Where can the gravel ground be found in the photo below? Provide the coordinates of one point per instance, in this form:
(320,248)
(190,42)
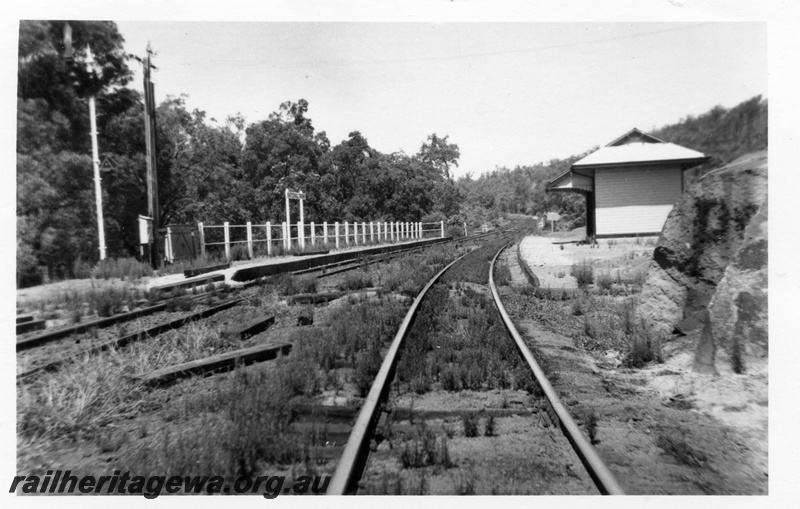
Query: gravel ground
(721,421)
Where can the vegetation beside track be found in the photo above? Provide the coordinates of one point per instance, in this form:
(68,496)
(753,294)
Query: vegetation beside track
(97,401)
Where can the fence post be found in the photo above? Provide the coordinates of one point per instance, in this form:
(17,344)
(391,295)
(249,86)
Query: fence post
(284,234)
(250,240)
(355,232)
(465,229)
(419,225)
(346,233)
(202,236)
(226,227)
(313,234)
(391,231)
(363,232)
(371,232)
(325,233)
(301,233)
(269,239)
(168,245)
(336,232)
(442,229)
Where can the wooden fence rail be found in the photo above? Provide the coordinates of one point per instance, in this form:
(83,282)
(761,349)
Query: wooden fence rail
(280,238)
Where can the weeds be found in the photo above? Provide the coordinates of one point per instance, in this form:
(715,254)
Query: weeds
(426,449)
(470,423)
(459,343)
(583,273)
(489,430)
(122,268)
(591,426)
(355,280)
(287,284)
(502,274)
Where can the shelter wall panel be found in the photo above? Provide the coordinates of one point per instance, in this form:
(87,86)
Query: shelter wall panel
(635,199)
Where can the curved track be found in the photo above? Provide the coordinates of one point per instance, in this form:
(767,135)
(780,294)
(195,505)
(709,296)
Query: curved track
(354,458)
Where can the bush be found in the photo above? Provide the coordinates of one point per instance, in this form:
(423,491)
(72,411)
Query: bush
(426,449)
(583,273)
(28,272)
(307,284)
(123,268)
(470,422)
(644,348)
(355,280)
(287,284)
(604,281)
(239,252)
(454,231)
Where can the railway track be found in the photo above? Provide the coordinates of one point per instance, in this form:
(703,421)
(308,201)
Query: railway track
(362,439)
(355,432)
(51,349)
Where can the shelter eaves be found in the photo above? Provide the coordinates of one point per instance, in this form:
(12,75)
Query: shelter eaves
(630,184)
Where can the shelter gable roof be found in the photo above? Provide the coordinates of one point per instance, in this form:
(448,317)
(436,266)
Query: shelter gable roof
(636,147)
(634,136)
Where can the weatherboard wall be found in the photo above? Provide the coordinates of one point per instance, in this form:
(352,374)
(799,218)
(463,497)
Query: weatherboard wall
(635,199)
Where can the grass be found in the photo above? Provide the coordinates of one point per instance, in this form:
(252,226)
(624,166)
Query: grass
(179,266)
(459,342)
(408,274)
(489,428)
(502,274)
(470,424)
(248,417)
(287,284)
(355,280)
(583,273)
(426,448)
(122,268)
(102,301)
(595,322)
(474,267)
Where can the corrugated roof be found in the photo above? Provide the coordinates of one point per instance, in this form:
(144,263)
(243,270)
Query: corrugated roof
(632,153)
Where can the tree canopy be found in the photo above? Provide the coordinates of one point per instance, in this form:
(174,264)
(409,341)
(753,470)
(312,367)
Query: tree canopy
(233,171)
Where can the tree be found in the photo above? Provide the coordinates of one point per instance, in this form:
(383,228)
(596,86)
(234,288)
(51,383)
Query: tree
(282,152)
(55,194)
(440,154)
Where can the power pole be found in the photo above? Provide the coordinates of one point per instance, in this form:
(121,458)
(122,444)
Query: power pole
(152,171)
(98,192)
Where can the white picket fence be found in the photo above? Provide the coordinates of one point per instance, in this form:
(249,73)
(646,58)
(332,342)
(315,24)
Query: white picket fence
(330,235)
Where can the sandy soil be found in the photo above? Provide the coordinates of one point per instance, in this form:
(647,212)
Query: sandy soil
(550,259)
(722,419)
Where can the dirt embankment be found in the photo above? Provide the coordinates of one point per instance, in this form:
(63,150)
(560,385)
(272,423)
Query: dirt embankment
(710,275)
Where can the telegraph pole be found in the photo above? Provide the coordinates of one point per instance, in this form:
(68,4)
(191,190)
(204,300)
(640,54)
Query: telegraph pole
(152,171)
(98,192)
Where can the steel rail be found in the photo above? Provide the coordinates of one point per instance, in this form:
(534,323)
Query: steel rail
(597,469)
(352,461)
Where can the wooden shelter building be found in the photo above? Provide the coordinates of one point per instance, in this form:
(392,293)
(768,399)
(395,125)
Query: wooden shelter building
(630,184)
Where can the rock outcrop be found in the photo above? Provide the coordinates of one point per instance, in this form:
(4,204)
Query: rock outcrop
(711,265)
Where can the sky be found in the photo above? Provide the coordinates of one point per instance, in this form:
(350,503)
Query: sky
(506,93)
